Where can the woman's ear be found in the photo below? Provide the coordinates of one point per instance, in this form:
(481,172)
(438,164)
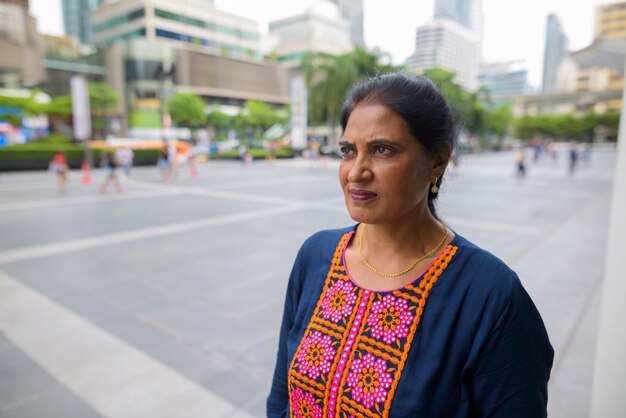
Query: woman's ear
(441,159)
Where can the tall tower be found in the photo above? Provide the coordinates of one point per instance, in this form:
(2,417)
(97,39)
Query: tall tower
(352,11)
(555,52)
(77,18)
(465,12)
(443,43)
(452,41)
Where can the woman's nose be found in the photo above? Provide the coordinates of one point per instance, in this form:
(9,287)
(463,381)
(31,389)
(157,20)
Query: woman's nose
(360,171)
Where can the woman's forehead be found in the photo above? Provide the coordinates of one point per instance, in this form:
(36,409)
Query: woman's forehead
(373,120)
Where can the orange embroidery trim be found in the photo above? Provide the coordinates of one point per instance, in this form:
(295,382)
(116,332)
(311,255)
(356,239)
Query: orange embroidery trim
(431,279)
(381,345)
(362,343)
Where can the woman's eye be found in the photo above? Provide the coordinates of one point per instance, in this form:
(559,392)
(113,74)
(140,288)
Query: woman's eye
(345,151)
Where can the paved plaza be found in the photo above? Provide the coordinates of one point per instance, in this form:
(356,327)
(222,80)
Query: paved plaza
(165,301)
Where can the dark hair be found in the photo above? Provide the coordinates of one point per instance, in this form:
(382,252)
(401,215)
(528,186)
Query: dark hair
(417,100)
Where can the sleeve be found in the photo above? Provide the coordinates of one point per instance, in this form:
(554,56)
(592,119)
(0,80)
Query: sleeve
(513,367)
(278,399)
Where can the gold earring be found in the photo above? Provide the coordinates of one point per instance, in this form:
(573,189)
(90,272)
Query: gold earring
(434,189)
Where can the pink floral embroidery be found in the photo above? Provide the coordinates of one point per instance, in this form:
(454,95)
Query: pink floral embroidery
(389,319)
(315,355)
(369,380)
(303,405)
(339,301)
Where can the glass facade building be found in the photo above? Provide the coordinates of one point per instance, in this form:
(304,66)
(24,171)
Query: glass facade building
(556,50)
(77,18)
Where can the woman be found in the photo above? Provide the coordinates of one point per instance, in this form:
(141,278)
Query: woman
(398,316)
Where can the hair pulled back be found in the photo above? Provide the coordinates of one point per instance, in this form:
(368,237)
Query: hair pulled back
(418,101)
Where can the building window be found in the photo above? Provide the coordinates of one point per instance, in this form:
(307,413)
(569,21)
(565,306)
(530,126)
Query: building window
(233,49)
(215,27)
(137,33)
(119,20)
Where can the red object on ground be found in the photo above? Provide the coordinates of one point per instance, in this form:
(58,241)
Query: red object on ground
(86,172)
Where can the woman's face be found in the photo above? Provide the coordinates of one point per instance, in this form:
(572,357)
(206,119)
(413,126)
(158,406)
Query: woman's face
(385,172)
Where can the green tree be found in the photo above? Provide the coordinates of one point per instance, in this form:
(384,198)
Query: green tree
(499,119)
(329,77)
(256,116)
(102,99)
(59,106)
(186,110)
(566,126)
(220,122)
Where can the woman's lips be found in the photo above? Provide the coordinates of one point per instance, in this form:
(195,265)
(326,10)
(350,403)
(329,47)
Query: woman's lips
(361,195)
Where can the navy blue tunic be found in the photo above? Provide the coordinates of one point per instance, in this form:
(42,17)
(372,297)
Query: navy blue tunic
(467,340)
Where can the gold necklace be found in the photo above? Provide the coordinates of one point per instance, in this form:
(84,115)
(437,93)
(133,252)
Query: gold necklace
(375,270)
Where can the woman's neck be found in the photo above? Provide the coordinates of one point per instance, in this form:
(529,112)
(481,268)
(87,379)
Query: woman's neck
(409,237)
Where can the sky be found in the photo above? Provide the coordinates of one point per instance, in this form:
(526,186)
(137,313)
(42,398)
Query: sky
(513,30)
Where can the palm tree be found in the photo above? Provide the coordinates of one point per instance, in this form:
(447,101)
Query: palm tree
(329,78)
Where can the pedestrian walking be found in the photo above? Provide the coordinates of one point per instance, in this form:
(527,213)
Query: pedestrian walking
(125,156)
(111,166)
(573,157)
(163,162)
(59,166)
(398,315)
(520,160)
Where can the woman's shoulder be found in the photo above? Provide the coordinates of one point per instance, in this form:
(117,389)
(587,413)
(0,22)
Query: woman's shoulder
(325,239)
(481,277)
(481,269)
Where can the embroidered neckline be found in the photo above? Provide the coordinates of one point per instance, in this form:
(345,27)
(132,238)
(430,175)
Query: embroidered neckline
(351,356)
(412,283)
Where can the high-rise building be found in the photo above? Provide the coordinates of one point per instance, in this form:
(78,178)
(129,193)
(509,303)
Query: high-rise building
(611,21)
(21,49)
(443,43)
(504,80)
(352,11)
(452,41)
(77,18)
(192,23)
(467,13)
(319,29)
(556,50)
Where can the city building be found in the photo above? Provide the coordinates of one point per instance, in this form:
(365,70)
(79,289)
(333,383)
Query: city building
(153,49)
(444,43)
(193,23)
(146,73)
(77,18)
(556,50)
(504,80)
(20,46)
(592,80)
(611,21)
(352,11)
(65,57)
(467,13)
(319,29)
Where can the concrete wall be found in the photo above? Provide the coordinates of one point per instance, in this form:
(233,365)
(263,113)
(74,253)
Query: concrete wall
(609,387)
